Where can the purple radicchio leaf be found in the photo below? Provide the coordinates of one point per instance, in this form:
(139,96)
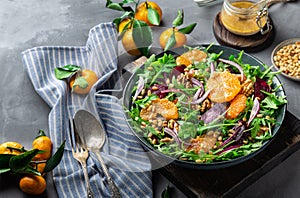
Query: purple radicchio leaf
(213,113)
(261,85)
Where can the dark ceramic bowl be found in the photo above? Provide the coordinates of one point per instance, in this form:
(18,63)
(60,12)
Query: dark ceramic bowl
(227,51)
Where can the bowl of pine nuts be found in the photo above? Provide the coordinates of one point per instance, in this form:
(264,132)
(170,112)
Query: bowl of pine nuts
(286,58)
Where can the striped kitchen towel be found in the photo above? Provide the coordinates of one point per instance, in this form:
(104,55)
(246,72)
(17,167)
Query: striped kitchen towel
(127,162)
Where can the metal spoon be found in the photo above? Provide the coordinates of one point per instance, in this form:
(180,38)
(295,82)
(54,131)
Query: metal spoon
(89,127)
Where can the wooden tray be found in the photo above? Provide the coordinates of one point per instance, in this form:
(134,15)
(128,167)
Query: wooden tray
(229,182)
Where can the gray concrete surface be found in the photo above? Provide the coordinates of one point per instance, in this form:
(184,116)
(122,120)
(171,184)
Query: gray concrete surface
(29,23)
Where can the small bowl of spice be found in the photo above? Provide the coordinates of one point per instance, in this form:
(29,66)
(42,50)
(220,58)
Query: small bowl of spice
(286,58)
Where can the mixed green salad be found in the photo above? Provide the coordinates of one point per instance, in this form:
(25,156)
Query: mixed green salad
(202,108)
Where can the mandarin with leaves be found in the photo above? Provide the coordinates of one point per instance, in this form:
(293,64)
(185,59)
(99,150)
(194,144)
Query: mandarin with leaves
(83,81)
(149,12)
(179,38)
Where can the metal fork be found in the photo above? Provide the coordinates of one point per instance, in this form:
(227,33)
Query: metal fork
(80,153)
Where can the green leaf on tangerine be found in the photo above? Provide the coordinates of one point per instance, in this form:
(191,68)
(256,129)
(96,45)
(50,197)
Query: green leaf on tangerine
(54,160)
(29,169)
(114,6)
(20,162)
(80,82)
(4,170)
(188,29)
(4,160)
(153,16)
(65,71)
(179,19)
(142,36)
(171,42)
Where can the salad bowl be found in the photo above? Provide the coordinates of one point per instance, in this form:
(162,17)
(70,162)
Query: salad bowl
(235,140)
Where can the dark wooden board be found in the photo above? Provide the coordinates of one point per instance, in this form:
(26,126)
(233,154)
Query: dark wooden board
(252,43)
(230,181)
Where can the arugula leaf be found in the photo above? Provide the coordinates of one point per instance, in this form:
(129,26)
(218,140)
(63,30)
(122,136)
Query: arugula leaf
(272,101)
(145,101)
(187,130)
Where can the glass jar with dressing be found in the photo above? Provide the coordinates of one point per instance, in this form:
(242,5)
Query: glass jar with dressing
(245,17)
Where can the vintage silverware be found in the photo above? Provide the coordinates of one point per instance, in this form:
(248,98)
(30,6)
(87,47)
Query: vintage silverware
(80,153)
(87,124)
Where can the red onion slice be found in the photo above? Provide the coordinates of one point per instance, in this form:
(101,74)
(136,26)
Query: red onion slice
(235,65)
(254,111)
(174,135)
(140,87)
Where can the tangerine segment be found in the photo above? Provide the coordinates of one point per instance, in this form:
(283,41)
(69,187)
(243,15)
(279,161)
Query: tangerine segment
(237,105)
(224,86)
(163,107)
(191,56)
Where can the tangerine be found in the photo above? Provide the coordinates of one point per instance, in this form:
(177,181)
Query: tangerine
(11,148)
(40,167)
(33,184)
(123,24)
(180,38)
(191,56)
(42,142)
(223,86)
(237,105)
(129,44)
(82,82)
(141,12)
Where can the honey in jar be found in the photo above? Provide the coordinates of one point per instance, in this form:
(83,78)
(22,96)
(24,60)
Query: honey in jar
(244,17)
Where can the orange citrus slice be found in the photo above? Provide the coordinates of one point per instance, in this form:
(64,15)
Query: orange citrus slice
(224,86)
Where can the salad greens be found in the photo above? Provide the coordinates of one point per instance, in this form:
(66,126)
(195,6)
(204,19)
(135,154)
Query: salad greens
(172,107)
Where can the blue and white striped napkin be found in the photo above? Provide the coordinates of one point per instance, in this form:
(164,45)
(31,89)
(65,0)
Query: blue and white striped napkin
(127,162)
